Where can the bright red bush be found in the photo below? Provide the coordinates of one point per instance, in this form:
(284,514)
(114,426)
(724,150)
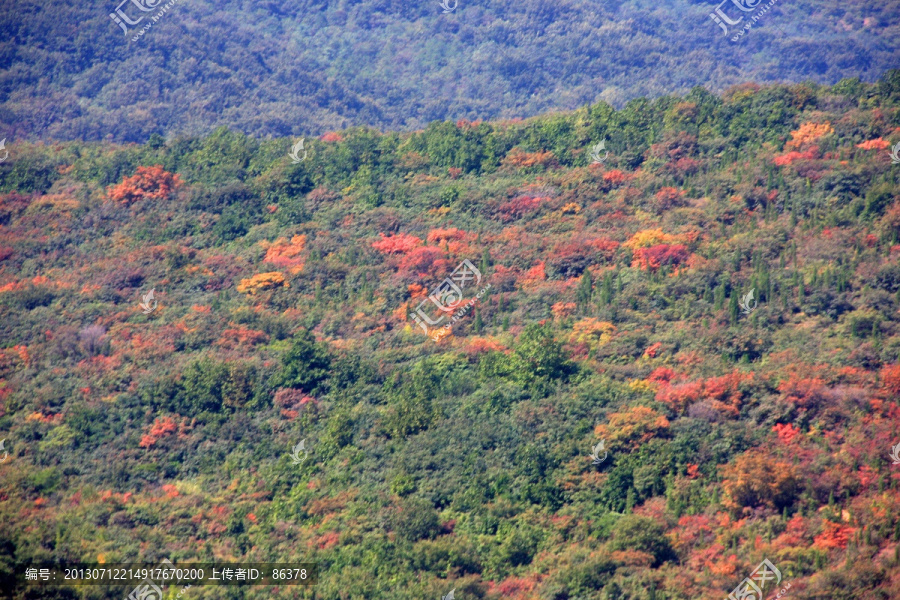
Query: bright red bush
(654,257)
(615,178)
(421,259)
(679,396)
(890,376)
(661,375)
(790,158)
(834,535)
(162,427)
(786,432)
(400,243)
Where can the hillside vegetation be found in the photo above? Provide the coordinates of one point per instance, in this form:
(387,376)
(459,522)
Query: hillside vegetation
(282,312)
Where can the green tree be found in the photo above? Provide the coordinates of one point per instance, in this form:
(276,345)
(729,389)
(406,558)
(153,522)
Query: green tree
(585,290)
(633,532)
(410,407)
(202,387)
(415,519)
(305,366)
(539,359)
(734,308)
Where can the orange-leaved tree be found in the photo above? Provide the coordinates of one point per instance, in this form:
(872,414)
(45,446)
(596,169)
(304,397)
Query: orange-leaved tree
(262,281)
(148,183)
(286,255)
(807,134)
(758,478)
(634,426)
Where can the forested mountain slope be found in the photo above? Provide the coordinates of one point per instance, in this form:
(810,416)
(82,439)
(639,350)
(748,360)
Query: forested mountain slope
(68,71)
(736,427)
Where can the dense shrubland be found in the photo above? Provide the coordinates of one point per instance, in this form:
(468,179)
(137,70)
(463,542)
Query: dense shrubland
(614,314)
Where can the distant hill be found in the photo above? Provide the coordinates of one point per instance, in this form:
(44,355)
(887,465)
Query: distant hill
(306,67)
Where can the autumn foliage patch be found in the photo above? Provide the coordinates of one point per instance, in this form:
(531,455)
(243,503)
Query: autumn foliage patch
(518,208)
(400,243)
(661,255)
(262,281)
(149,183)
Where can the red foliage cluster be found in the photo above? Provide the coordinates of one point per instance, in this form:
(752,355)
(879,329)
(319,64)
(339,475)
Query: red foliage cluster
(512,587)
(890,377)
(606,248)
(653,350)
(669,197)
(332,136)
(535,273)
(518,208)
(834,535)
(438,236)
(465,124)
(786,432)
(615,178)
(328,540)
(790,158)
(876,144)
(162,427)
(480,345)
(794,535)
(149,182)
(400,243)
(422,259)
(562,310)
(661,375)
(723,393)
(679,396)
(654,257)
(803,391)
(682,166)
